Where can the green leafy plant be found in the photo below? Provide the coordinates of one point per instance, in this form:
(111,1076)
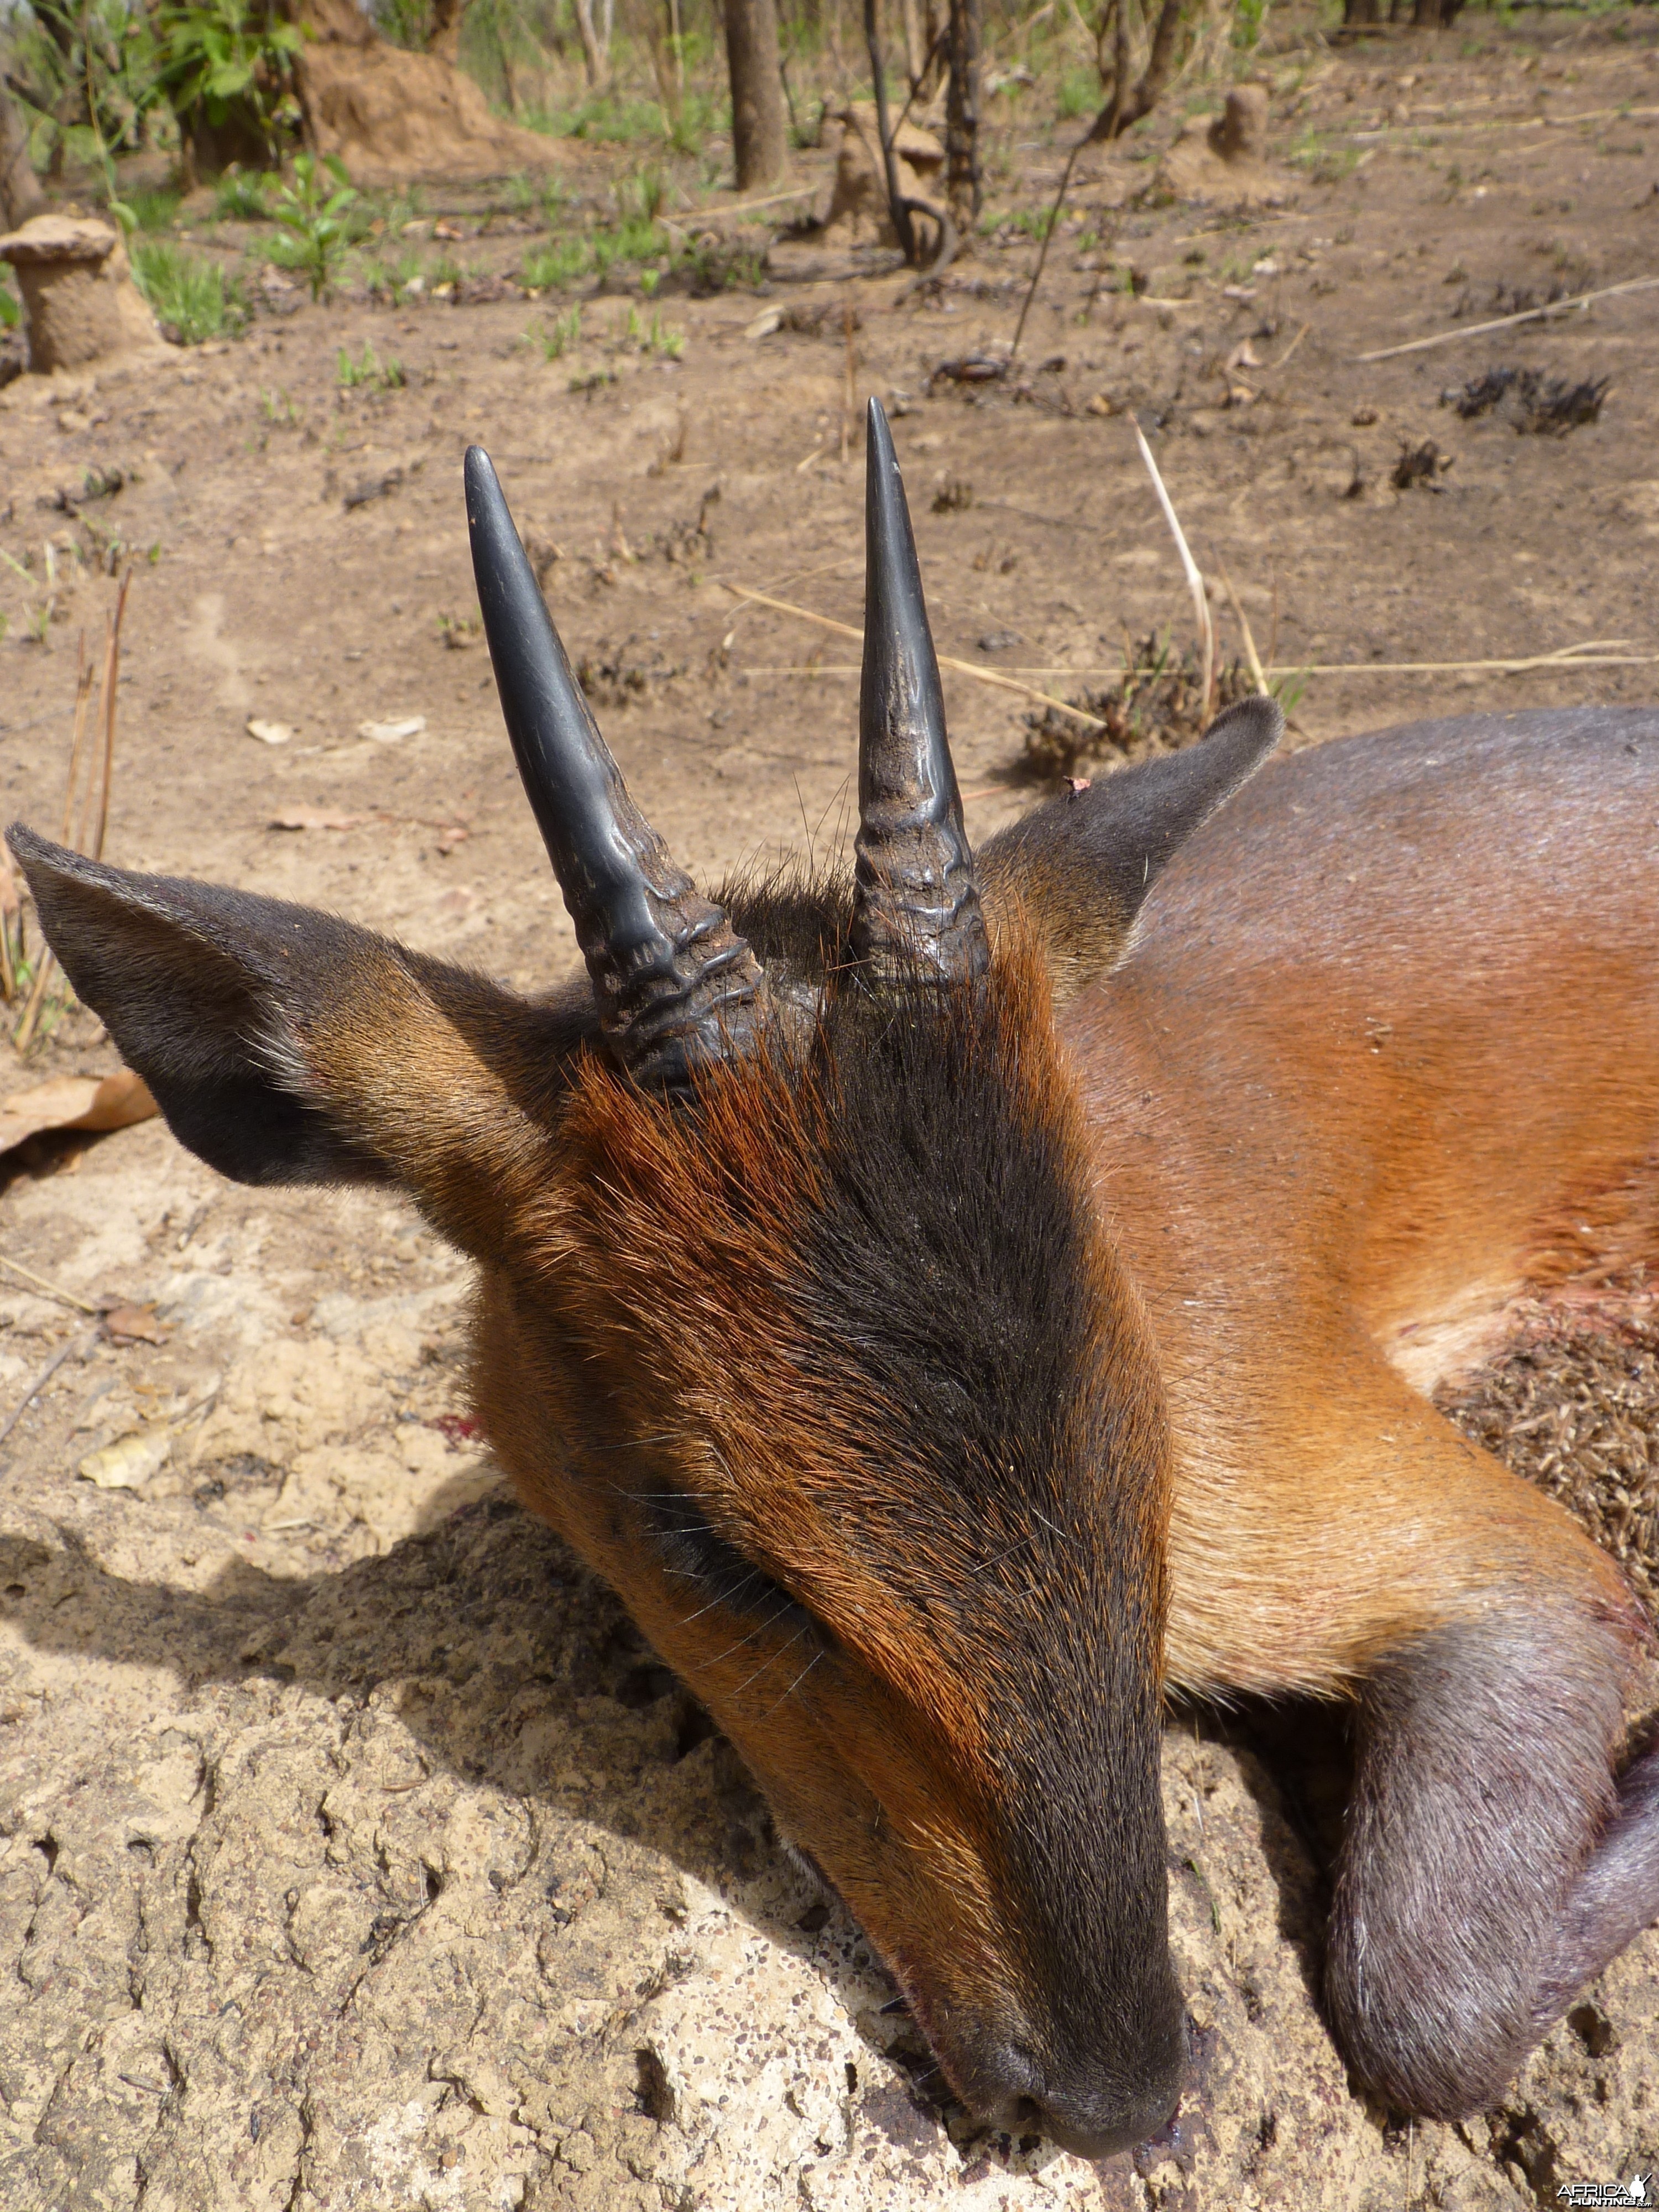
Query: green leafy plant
(370,373)
(191,297)
(11,309)
(242,196)
(404,22)
(228,63)
(85,78)
(313,217)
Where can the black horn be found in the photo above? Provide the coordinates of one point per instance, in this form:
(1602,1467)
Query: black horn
(676,986)
(915,910)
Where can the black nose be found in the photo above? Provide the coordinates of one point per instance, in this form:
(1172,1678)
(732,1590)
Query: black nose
(1077,2108)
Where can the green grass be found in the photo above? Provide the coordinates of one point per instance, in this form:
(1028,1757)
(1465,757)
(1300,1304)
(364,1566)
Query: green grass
(544,267)
(1079,93)
(636,238)
(560,337)
(240,197)
(191,298)
(370,373)
(395,276)
(153,209)
(655,337)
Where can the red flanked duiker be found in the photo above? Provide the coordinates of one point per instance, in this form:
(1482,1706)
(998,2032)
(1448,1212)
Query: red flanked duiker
(959,1303)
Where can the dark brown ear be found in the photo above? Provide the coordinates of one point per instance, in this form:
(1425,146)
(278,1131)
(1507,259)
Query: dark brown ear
(287,1046)
(1083,864)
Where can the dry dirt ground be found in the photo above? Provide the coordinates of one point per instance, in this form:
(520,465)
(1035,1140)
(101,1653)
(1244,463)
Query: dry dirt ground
(353,1852)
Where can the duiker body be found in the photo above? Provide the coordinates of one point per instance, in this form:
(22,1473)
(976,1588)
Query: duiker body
(956,1305)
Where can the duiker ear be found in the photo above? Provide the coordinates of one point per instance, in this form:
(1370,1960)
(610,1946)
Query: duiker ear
(287,1046)
(1082,865)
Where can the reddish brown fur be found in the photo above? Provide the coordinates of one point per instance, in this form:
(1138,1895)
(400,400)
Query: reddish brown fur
(1380,1052)
(652,1276)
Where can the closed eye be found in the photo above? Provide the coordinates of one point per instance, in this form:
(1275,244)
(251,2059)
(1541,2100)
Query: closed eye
(717,1574)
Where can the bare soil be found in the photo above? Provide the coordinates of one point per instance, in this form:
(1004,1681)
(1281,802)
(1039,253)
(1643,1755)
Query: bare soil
(352,1850)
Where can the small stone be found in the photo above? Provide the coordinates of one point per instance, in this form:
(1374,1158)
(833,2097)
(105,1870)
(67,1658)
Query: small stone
(389,733)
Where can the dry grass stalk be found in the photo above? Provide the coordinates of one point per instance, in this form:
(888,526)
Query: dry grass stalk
(1570,656)
(1189,568)
(849,323)
(49,1290)
(1508,322)
(11,906)
(95,825)
(1250,654)
(994,677)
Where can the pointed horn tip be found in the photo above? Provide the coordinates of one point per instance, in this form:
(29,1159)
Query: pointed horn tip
(482,484)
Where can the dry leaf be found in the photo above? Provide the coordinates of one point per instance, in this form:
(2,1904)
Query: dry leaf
(75,1101)
(135,1325)
(768,321)
(269,733)
(129,1462)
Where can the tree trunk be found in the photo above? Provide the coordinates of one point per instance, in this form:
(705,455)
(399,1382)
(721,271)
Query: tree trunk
(915,50)
(962,167)
(759,141)
(1160,62)
(444,38)
(597,70)
(1434,15)
(21,196)
(1361,11)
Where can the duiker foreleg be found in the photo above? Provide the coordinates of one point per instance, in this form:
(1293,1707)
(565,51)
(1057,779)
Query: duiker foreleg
(1492,1865)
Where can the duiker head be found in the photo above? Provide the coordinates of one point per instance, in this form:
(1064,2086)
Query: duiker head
(798,1316)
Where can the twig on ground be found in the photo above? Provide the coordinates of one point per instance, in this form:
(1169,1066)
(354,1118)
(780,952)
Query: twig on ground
(1508,322)
(77,1348)
(994,677)
(739,208)
(1189,566)
(1569,657)
(52,1289)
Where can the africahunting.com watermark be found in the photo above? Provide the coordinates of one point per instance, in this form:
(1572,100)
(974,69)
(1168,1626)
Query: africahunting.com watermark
(1640,2188)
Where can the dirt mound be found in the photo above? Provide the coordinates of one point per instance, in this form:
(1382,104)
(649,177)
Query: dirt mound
(1222,158)
(393,116)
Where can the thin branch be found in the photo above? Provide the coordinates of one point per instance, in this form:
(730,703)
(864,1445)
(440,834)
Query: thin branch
(899,206)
